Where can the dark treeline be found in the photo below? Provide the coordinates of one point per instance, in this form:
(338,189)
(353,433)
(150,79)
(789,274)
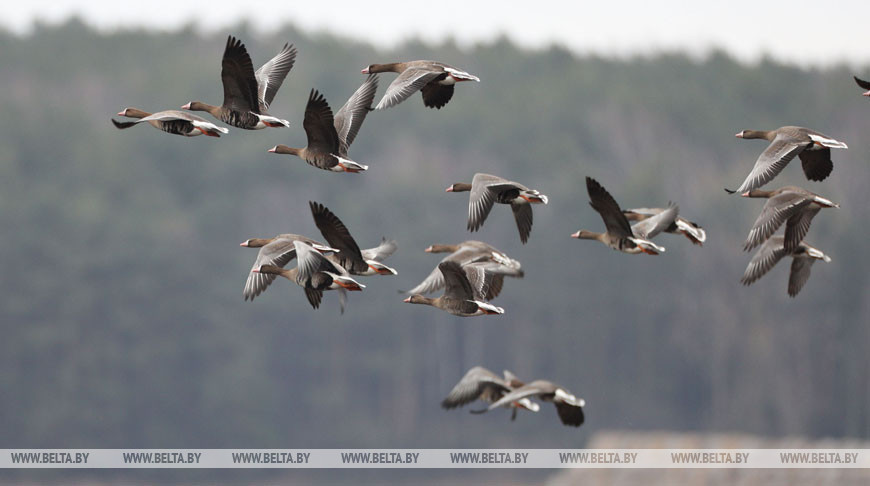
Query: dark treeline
(123,323)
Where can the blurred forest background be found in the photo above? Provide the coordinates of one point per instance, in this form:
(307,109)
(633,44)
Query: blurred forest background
(123,323)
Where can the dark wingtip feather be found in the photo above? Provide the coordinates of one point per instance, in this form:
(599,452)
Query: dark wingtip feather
(729,191)
(122,125)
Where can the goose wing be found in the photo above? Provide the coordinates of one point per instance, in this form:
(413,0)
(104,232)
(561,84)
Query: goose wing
(764,259)
(798,225)
(529,390)
(318,125)
(775,157)
(456,281)
(485,189)
(776,211)
(271,75)
(799,274)
(472,385)
(601,201)
(523,215)
(655,224)
(237,75)
(380,252)
(279,253)
(338,236)
(311,262)
(409,82)
(817,164)
(351,115)
(570,414)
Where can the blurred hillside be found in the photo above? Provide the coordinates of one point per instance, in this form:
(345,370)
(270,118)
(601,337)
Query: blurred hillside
(121,303)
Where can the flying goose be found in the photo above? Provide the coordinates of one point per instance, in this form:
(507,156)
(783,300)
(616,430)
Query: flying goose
(471,252)
(791,205)
(329,138)
(772,252)
(434,79)
(487,190)
(481,384)
(863,84)
(619,234)
(350,257)
(315,273)
(569,407)
(278,252)
(691,230)
(466,290)
(247,95)
(813,148)
(171,121)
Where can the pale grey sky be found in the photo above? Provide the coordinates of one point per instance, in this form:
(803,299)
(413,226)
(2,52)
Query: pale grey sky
(799,31)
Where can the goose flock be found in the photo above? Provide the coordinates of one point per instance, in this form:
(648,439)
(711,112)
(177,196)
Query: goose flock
(473,272)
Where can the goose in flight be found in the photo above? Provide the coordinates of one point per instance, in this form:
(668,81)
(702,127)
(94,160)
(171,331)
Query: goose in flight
(620,235)
(434,79)
(315,273)
(171,121)
(465,292)
(481,384)
(330,137)
(812,147)
(794,206)
(772,251)
(248,94)
(487,190)
(569,407)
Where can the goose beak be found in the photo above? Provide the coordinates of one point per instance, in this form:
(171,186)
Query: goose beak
(365,70)
(244,243)
(256,270)
(122,113)
(408,300)
(866,94)
(186,107)
(428,249)
(739,135)
(449,189)
(745,194)
(575,235)
(273,149)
